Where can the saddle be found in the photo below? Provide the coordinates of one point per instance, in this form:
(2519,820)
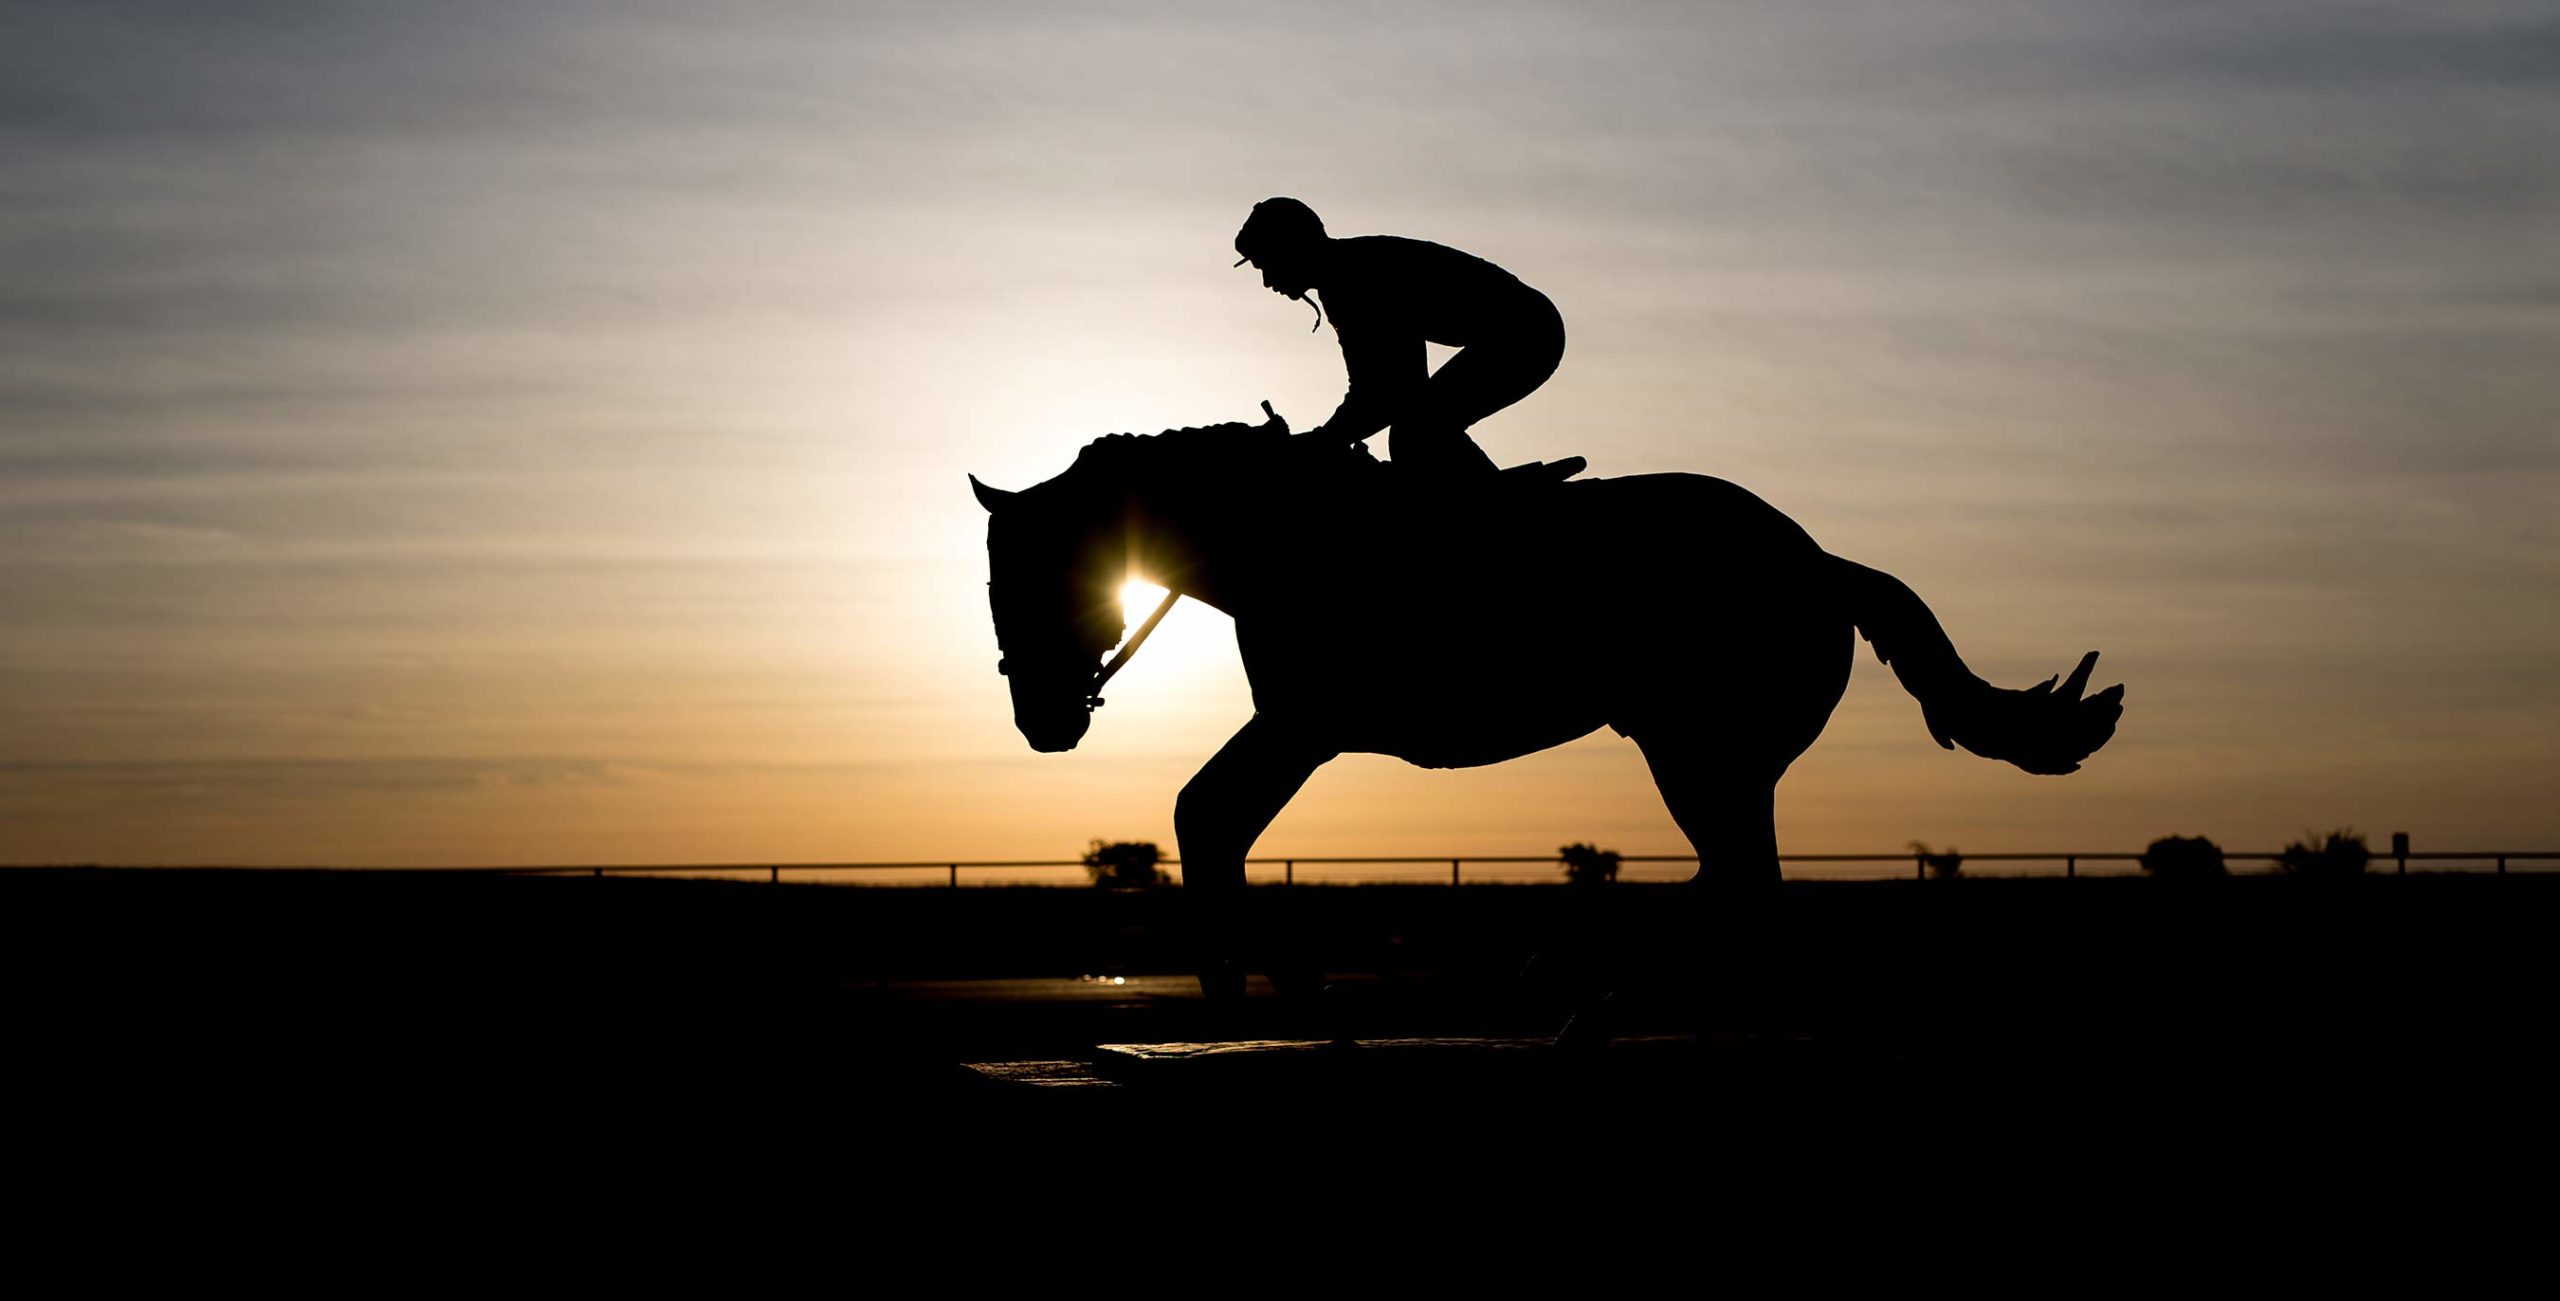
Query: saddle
(1360,465)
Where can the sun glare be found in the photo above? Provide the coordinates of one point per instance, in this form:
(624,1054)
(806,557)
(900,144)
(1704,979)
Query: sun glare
(1190,638)
(1138,600)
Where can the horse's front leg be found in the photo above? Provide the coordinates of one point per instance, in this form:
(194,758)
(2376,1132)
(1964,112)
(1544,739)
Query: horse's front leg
(1221,812)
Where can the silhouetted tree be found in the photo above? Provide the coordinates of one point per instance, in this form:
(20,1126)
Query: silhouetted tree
(2340,853)
(1946,866)
(2183,858)
(1124,864)
(1589,864)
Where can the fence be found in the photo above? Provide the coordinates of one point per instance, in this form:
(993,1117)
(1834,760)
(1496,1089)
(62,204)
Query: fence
(1410,868)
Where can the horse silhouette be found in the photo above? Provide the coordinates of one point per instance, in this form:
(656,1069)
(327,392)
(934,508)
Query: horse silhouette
(1458,627)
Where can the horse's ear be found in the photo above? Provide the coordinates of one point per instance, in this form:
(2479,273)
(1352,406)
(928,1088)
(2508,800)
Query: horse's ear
(994,499)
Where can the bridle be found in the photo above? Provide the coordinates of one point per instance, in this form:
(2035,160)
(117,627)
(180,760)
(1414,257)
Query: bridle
(1093,693)
(1101,676)
(1093,690)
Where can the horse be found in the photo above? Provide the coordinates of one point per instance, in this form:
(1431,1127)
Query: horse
(1459,625)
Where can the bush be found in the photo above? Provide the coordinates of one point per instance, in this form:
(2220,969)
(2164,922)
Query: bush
(1125,864)
(1589,864)
(2183,858)
(1946,866)
(2341,853)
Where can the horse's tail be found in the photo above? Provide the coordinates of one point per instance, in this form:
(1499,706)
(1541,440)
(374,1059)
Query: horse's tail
(2040,729)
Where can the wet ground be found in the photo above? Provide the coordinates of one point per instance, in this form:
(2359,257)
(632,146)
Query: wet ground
(714,1021)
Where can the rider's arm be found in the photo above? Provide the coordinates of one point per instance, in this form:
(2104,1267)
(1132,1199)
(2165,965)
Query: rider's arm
(1387,366)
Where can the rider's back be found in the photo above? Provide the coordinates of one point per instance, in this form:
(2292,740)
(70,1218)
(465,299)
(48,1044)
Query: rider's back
(1413,285)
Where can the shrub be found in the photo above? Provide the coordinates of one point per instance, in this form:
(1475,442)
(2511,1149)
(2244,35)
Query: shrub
(1589,864)
(1946,866)
(1124,864)
(2340,853)
(2183,858)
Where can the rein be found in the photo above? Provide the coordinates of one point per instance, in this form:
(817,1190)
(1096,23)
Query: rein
(1093,694)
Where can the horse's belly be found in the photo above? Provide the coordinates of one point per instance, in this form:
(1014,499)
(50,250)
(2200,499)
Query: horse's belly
(1472,733)
(1440,707)
(1483,732)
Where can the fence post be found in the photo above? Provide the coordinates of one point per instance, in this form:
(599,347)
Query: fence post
(1919,866)
(955,876)
(1453,871)
(777,874)
(2502,865)
(599,873)
(1288,871)
(2400,851)
(2070,866)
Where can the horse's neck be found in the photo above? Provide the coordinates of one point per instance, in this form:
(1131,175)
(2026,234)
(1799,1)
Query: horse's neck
(1197,544)
(1251,530)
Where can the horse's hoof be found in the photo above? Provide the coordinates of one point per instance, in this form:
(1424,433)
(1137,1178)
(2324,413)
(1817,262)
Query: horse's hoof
(1222,986)
(1581,1037)
(1299,986)
(1338,1010)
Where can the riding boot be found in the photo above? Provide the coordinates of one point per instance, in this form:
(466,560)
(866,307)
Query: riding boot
(1439,458)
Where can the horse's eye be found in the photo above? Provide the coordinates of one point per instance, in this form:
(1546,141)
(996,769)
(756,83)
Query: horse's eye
(1001,671)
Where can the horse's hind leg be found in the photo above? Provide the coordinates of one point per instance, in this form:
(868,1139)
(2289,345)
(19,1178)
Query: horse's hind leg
(1723,795)
(1223,809)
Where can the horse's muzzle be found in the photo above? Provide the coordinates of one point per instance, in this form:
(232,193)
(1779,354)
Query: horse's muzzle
(1052,730)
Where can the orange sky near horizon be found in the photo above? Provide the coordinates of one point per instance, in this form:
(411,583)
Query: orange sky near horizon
(478,436)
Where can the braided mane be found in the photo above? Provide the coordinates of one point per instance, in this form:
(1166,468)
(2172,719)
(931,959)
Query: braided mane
(1191,445)
(1204,455)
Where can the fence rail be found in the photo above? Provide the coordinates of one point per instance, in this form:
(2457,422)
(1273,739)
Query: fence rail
(2496,861)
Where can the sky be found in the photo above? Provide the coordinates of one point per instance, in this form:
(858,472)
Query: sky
(497,433)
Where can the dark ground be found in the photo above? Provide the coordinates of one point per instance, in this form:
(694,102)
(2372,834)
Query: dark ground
(2372,1021)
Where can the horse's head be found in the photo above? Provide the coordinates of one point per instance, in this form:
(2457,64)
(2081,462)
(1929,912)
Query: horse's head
(1055,569)
(1060,551)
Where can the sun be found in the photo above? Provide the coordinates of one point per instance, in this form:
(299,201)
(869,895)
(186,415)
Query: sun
(1138,600)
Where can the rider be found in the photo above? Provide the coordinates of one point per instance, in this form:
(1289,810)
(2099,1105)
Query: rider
(1388,296)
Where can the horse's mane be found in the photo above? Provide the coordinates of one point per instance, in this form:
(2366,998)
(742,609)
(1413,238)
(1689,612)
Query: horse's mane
(1199,443)
(1201,454)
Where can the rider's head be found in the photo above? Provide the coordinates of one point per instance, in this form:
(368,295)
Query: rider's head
(1285,238)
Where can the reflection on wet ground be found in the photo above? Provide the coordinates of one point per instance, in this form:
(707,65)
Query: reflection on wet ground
(1047,989)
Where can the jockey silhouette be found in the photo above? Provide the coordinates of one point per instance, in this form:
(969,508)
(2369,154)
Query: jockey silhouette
(1387,297)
